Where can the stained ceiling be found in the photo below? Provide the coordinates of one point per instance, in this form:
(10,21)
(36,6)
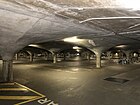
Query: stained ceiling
(106,22)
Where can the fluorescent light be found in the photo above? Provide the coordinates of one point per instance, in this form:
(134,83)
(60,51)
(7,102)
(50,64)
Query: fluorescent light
(116,54)
(121,46)
(77,48)
(72,39)
(33,45)
(78,54)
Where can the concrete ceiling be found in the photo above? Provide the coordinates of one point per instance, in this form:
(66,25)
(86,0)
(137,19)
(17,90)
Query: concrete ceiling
(106,22)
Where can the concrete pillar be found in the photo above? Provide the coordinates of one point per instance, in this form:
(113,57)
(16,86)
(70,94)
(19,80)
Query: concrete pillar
(7,53)
(109,55)
(54,52)
(88,56)
(46,56)
(128,58)
(64,56)
(121,54)
(98,52)
(127,55)
(54,57)
(16,56)
(7,71)
(34,55)
(98,60)
(31,57)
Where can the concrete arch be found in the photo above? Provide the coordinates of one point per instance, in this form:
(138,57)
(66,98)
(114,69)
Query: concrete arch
(39,47)
(33,49)
(83,49)
(25,53)
(98,50)
(33,52)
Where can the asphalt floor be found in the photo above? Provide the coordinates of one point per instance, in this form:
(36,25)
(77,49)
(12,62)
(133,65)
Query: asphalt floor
(72,83)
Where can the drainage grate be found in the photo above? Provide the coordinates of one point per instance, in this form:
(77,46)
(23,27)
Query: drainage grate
(118,80)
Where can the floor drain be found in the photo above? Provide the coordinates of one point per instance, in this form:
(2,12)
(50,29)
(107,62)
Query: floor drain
(119,80)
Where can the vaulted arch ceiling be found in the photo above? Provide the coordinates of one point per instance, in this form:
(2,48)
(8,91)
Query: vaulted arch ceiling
(106,22)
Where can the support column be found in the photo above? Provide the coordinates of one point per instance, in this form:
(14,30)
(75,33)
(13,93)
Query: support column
(109,55)
(98,52)
(98,60)
(54,57)
(46,56)
(54,52)
(88,56)
(7,71)
(127,53)
(31,58)
(16,56)
(64,56)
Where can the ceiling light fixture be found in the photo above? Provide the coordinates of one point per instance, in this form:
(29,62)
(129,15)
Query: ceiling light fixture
(121,46)
(76,47)
(33,45)
(72,39)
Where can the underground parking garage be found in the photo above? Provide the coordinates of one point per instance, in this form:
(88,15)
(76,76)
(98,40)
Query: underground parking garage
(61,52)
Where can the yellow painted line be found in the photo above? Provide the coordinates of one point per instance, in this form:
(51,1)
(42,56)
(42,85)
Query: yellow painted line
(7,83)
(31,90)
(22,88)
(28,101)
(36,98)
(13,89)
(17,97)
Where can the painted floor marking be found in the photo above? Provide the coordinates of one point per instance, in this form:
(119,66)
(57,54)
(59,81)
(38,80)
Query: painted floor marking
(20,88)
(40,95)
(13,89)
(7,84)
(17,97)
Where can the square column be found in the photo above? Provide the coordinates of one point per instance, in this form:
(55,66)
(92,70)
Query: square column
(7,71)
